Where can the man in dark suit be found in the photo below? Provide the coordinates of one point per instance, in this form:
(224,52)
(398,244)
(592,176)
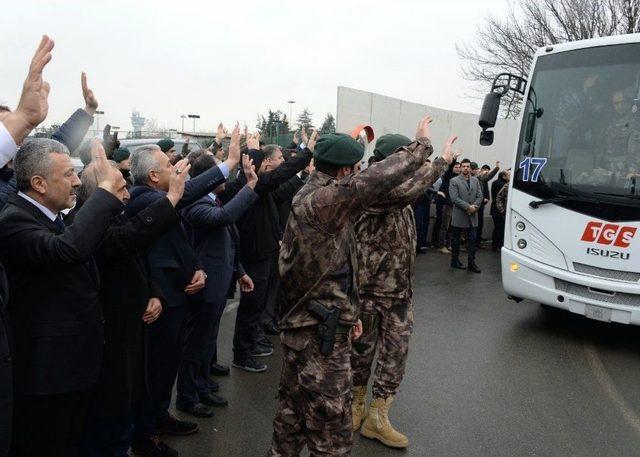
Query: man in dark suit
(216,241)
(55,309)
(260,237)
(128,298)
(176,269)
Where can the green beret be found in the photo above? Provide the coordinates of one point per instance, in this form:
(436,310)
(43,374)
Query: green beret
(474,166)
(388,144)
(338,149)
(166,144)
(120,154)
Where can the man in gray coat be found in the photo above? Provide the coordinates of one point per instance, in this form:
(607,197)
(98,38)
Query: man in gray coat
(466,195)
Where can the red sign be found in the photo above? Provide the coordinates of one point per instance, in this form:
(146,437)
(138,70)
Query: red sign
(609,234)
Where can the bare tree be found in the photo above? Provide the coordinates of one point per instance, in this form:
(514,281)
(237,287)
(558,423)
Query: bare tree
(507,44)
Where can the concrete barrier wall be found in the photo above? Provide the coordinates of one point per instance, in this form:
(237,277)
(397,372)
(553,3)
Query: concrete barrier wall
(392,115)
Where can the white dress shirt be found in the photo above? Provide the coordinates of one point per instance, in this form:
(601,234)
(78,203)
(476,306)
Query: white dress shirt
(8,146)
(46,211)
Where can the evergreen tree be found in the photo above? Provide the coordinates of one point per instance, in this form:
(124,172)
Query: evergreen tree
(329,124)
(305,120)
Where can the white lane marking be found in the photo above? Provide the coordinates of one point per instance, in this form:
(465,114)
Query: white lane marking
(610,389)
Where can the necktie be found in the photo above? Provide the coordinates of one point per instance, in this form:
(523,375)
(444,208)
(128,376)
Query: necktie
(60,223)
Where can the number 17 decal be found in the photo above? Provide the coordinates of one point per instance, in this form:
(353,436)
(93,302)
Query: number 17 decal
(532,167)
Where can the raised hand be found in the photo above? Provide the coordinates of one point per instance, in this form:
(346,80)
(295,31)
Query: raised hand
(233,159)
(497,164)
(447,150)
(34,101)
(90,101)
(253,141)
(312,141)
(249,171)
(296,139)
(457,154)
(423,128)
(106,175)
(111,142)
(220,133)
(178,177)
(305,138)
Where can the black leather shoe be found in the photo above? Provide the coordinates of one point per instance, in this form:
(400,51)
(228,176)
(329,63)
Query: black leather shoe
(152,447)
(212,399)
(219,370)
(474,268)
(213,386)
(197,410)
(261,351)
(271,329)
(172,426)
(455,263)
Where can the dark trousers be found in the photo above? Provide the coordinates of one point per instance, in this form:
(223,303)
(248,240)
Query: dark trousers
(272,305)
(435,234)
(194,368)
(251,307)
(49,425)
(164,342)
(480,224)
(422,215)
(498,231)
(456,233)
(108,437)
(212,344)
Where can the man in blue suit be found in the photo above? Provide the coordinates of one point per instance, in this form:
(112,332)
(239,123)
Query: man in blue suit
(215,239)
(176,269)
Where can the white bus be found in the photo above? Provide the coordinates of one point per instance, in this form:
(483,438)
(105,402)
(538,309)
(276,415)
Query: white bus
(572,237)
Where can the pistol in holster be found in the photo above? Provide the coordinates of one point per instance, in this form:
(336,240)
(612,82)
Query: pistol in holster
(328,326)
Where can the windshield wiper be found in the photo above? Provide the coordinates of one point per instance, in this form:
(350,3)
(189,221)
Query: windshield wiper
(535,204)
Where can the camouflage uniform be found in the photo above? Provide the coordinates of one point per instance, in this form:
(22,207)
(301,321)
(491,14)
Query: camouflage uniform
(501,199)
(386,237)
(317,262)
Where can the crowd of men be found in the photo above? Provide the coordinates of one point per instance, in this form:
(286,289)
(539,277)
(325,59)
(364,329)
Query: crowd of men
(114,282)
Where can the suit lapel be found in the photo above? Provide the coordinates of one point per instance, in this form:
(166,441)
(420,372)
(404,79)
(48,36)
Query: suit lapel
(35,212)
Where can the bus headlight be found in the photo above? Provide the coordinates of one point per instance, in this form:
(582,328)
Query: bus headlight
(520,226)
(522,243)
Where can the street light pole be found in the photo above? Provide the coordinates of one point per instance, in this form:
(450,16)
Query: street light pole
(194,117)
(291,102)
(98,113)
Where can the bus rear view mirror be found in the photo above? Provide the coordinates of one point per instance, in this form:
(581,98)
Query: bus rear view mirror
(486,137)
(490,109)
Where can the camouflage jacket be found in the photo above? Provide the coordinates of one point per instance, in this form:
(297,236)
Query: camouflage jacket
(501,199)
(386,237)
(318,253)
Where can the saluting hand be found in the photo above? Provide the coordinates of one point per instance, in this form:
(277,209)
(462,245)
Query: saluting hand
(178,177)
(91,103)
(233,159)
(423,128)
(249,171)
(447,153)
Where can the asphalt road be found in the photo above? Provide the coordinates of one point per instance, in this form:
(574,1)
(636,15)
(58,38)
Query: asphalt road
(486,377)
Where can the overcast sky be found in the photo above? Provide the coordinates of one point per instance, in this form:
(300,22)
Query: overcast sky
(233,59)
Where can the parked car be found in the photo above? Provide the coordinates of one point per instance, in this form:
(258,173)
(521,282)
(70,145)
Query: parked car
(135,143)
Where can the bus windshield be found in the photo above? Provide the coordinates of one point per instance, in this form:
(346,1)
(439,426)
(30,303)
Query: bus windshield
(580,133)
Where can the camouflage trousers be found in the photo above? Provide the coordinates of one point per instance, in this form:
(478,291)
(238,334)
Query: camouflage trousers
(387,326)
(314,407)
